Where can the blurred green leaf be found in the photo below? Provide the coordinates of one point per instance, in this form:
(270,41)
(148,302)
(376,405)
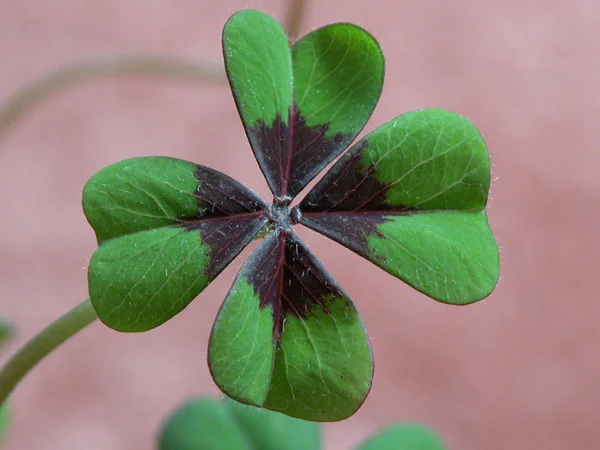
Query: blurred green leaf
(6,331)
(403,437)
(206,424)
(202,424)
(268,430)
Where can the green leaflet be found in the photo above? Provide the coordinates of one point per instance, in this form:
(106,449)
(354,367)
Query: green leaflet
(240,351)
(205,424)
(139,281)
(403,437)
(450,256)
(323,367)
(258,63)
(321,371)
(338,78)
(429,159)
(140,194)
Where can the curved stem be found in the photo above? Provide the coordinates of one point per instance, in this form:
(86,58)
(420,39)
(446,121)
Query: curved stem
(42,344)
(294,16)
(26,98)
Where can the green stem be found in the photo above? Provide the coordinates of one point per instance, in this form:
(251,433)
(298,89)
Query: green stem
(294,16)
(29,96)
(42,344)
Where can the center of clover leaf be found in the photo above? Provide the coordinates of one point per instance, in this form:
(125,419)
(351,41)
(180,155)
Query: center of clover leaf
(281,216)
(410,197)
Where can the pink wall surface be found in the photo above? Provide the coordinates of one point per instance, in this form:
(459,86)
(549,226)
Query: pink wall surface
(519,370)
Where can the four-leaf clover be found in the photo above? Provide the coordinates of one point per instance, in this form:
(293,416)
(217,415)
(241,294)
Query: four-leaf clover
(410,197)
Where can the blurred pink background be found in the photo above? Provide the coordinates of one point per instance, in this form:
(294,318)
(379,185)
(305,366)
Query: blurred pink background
(519,370)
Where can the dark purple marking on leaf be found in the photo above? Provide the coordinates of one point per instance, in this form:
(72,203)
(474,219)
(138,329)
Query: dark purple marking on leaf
(218,195)
(229,217)
(349,186)
(349,229)
(289,279)
(312,152)
(226,237)
(292,156)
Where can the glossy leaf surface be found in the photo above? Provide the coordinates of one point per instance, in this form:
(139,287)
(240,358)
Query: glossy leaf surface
(302,107)
(403,437)
(410,197)
(289,339)
(227,425)
(167,228)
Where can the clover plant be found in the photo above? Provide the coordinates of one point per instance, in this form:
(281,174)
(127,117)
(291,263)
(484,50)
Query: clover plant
(410,197)
(206,424)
